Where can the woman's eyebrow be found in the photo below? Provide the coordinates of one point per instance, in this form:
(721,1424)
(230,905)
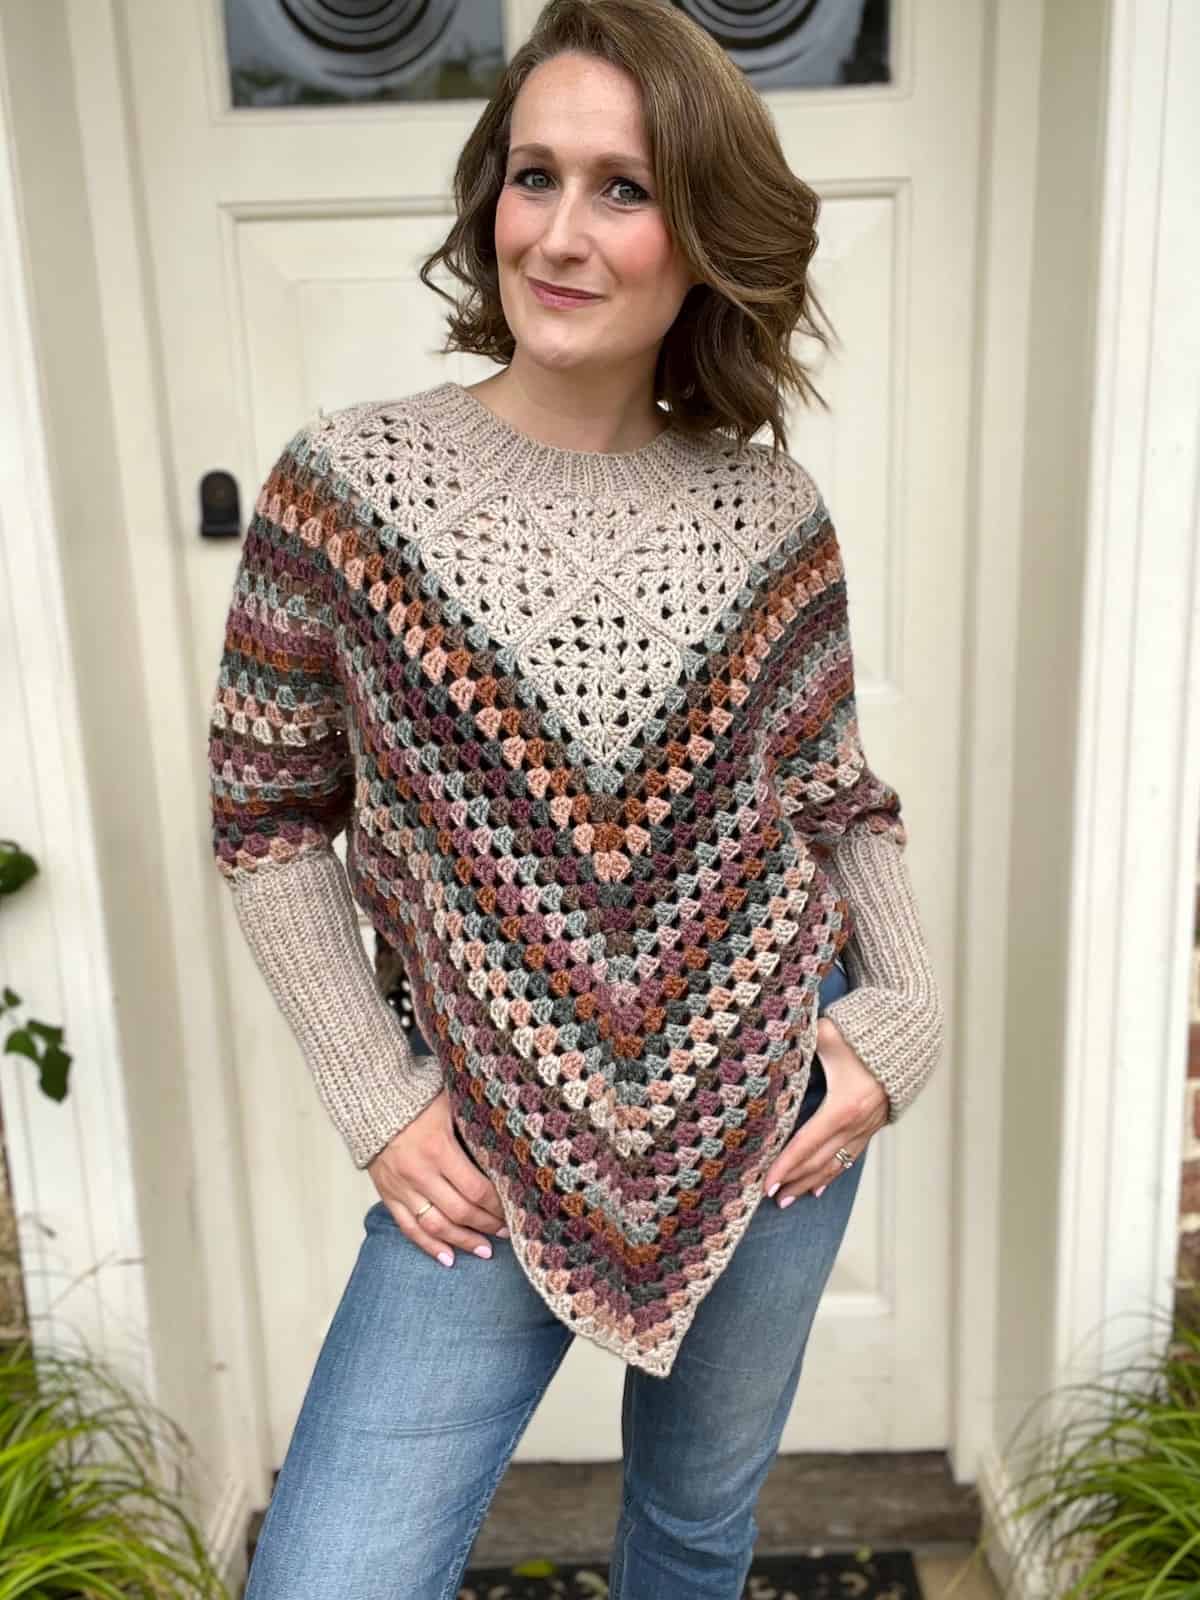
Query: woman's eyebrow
(606,158)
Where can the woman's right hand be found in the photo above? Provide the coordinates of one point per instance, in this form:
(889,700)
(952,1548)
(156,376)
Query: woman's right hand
(425,1161)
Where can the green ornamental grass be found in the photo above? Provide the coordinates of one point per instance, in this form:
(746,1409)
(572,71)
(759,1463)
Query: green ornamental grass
(1107,1501)
(90,1488)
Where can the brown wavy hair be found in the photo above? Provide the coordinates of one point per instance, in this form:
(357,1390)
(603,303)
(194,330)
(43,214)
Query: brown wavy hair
(743,221)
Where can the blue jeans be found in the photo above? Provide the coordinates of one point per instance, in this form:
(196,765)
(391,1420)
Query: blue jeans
(428,1377)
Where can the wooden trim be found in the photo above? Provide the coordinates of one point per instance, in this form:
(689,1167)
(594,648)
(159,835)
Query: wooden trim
(70,1165)
(1008,178)
(1138,773)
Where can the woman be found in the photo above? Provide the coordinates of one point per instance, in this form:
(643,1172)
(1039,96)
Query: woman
(574,672)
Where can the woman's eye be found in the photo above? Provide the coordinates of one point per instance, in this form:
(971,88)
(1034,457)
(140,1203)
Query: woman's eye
(628,183)
(638,196)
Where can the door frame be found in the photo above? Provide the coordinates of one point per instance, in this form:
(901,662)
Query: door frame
(1121,1099)
(1138,665)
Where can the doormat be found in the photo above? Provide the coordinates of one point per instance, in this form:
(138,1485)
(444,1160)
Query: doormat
(836,1575)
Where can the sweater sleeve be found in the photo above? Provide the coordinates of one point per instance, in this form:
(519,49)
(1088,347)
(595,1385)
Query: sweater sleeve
(281,788)
(850,817)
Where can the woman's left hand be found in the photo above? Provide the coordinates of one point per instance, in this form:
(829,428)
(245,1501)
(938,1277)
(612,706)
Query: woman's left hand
(854,1108)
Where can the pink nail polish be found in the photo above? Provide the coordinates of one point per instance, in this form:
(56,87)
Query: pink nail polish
(773,1188)
(484,1250)
(785,1203)
(821,1190)
(502,1233)
(445,1258)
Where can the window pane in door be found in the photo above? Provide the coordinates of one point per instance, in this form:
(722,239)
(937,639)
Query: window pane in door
(800,44)
(320,52)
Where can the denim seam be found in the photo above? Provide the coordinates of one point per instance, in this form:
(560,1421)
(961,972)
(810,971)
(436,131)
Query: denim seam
(464,1549)
(626,1499)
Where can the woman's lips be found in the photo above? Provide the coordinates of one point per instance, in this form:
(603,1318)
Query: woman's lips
(557,297)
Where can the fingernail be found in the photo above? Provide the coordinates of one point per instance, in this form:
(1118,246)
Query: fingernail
(821,1190)
(784,1204)
(773,1188)
(502,1233)
(445,1258)
(484,1250)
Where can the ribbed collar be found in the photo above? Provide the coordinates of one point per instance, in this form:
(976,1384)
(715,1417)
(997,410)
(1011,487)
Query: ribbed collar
(511,456)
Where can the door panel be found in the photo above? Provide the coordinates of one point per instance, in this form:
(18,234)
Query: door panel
(285,245)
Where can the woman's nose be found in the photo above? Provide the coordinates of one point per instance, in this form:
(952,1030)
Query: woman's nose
(564,230)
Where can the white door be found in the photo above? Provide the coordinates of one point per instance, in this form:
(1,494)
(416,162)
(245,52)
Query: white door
(285,243)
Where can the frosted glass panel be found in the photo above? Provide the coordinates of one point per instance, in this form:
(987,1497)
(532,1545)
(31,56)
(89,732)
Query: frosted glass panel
(794,44)
(317,52)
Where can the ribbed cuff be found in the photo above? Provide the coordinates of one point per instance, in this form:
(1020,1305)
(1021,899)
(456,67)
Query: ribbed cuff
(301,924)
(893,1016)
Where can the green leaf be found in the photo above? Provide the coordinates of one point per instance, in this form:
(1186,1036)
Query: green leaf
(55,1066)
(45,1030)
(20,1043)
(17,866)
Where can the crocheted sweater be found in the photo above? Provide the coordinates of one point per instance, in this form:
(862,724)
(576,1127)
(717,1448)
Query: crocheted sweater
(588,721)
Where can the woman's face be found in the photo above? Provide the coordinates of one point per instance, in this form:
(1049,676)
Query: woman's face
(580,210)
